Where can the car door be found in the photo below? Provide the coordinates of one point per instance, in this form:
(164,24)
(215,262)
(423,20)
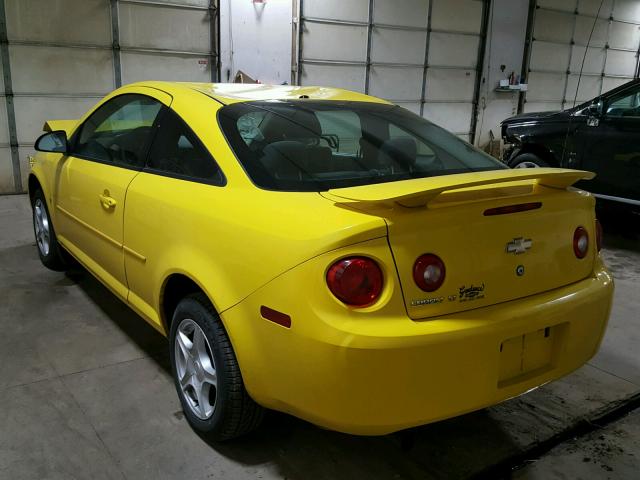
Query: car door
(169,206)
(610,147)
(106,153)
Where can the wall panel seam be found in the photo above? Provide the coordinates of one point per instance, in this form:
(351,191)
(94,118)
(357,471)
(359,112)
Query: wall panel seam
(8,93)
(425,66)
(606,48)
(214,12)
(484,28)
(367,73)
(526,54)
(115,43)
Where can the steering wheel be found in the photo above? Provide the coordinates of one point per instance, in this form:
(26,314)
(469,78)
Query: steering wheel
(124,156)
(98,150)
(117,150)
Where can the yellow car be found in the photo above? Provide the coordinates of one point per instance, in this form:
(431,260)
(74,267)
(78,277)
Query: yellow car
(322,253)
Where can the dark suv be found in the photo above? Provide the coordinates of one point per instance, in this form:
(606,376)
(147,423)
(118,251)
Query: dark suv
(602,136)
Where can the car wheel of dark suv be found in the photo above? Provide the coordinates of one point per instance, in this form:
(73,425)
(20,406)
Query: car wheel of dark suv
(528,160)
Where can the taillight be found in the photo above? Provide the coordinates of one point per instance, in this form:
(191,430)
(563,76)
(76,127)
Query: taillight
(599,234)
(356,281)
(429,272)
(580,242)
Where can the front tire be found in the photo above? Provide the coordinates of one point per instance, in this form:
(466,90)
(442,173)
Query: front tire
(528,160)
(206,373)
(49,249)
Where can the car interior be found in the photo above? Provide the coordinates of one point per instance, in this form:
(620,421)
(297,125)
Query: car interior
(300,146)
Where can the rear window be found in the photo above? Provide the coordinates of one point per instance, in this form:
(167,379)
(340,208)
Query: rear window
(316,146)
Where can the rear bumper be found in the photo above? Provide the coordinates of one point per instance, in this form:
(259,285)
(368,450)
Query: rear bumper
(363,377)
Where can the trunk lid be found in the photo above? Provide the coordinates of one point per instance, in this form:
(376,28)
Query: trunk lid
(489,258)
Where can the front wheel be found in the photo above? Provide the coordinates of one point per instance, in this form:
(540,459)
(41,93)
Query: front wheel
(206,373)
(528,160)
(48,248)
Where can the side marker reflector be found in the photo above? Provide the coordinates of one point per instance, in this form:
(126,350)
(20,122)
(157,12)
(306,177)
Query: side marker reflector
(275,316)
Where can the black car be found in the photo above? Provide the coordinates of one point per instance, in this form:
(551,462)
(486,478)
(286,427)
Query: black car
(602,136)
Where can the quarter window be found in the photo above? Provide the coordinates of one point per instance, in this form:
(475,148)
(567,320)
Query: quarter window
(119,131)
(178,152)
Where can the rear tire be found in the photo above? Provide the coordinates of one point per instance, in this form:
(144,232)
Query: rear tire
(49,249)
(206,373)
(528,160)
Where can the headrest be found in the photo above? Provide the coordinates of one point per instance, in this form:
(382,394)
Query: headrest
(281,159)
(398,152)
(300,125)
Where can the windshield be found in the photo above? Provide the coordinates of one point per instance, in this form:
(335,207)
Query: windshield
(316,146)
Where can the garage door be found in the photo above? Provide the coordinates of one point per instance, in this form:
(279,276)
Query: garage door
(418,53)
(560,40)
(52,72)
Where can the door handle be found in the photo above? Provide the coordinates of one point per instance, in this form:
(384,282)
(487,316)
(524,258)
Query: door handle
(107,201)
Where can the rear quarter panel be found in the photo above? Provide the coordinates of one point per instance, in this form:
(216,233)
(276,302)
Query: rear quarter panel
(229,239)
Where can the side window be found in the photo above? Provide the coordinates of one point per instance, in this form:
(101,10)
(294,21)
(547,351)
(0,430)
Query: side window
(627,106)
(119,131)
(341,130)
(177,151)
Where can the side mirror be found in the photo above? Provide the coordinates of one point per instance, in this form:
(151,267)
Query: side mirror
(596,109)
(53,142)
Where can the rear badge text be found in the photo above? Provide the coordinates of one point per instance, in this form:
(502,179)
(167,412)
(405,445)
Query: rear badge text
(465,294)
(472,292)
(426,301)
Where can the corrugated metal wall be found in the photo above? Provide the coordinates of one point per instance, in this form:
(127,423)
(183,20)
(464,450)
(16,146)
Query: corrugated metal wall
(559,38)
(61,56)
(423,54)
(58,57)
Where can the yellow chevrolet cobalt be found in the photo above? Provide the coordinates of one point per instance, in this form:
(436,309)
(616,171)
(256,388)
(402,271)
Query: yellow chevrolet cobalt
(322,253)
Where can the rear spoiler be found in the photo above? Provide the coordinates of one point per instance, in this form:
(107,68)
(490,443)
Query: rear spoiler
(54,125)
(420,191)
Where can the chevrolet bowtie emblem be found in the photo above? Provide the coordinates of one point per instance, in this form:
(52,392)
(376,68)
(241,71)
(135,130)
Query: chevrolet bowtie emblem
(518,245)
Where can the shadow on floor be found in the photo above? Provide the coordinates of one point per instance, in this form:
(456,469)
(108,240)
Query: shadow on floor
(140,332)
(452,449)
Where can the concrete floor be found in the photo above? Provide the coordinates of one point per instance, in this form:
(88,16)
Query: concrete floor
(85,392)
(612,452)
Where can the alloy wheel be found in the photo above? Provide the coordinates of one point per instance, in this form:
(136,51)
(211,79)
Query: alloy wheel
(41,224)
(196,369)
